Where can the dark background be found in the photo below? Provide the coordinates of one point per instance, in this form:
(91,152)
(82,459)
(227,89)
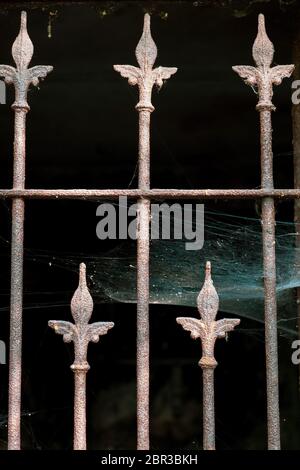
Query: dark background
(82,132)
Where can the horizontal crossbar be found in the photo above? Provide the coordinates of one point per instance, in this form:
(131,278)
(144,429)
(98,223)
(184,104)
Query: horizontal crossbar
(90,194)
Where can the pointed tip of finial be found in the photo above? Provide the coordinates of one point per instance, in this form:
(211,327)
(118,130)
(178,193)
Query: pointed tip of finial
(261,20)
(261,29)
(23,18)
(208,270)
(263,49)
(82,273)
(147,19)
(23,25)
(147,24)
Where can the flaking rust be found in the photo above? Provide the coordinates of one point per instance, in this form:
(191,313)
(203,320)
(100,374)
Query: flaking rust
(81,332)
(208,329)
(21,77)
(263,76)
(145,77)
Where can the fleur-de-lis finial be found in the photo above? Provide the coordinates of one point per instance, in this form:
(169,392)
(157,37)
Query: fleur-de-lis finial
(263,75)
(81,332)
(207,328)
(145,76)
(21,76)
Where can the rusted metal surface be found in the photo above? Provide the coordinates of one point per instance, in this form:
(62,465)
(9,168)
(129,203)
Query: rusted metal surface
(208,329)
(94,194)
(21,77)
(145,77)
(296,161)
(81,333)
(264,77)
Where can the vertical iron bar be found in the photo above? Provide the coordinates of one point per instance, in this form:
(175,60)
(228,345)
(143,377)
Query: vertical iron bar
(21,77)
(296,161)
(145,77)
(269,266)
(143,252)
(16,295)
(80,333)
(208,329)
(264,77)
(79,408)
(208,409)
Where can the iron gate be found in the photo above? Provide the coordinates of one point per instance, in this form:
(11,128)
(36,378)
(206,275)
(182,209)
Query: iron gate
(81,332)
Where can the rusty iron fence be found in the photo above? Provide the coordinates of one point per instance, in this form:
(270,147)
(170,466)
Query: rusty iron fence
(81,332)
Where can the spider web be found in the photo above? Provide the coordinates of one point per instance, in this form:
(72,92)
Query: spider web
(233,245)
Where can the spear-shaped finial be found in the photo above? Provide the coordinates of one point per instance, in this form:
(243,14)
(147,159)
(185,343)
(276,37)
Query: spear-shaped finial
(263,49)
(207,328)
(145,76)
(22,49)
(263,75)
(82,302)
(22,76)
(81,333)
(146,50)
(208,300)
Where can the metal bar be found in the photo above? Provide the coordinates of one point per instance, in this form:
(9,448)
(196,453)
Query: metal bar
(208,329)
(16,292)
(264,77)
(209,438)
(143,252)
(269,260)
(142,354)
(21,77)
(81,332)
(79,441)
(145,77)
(94,194)
(143,258)
(296,161)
